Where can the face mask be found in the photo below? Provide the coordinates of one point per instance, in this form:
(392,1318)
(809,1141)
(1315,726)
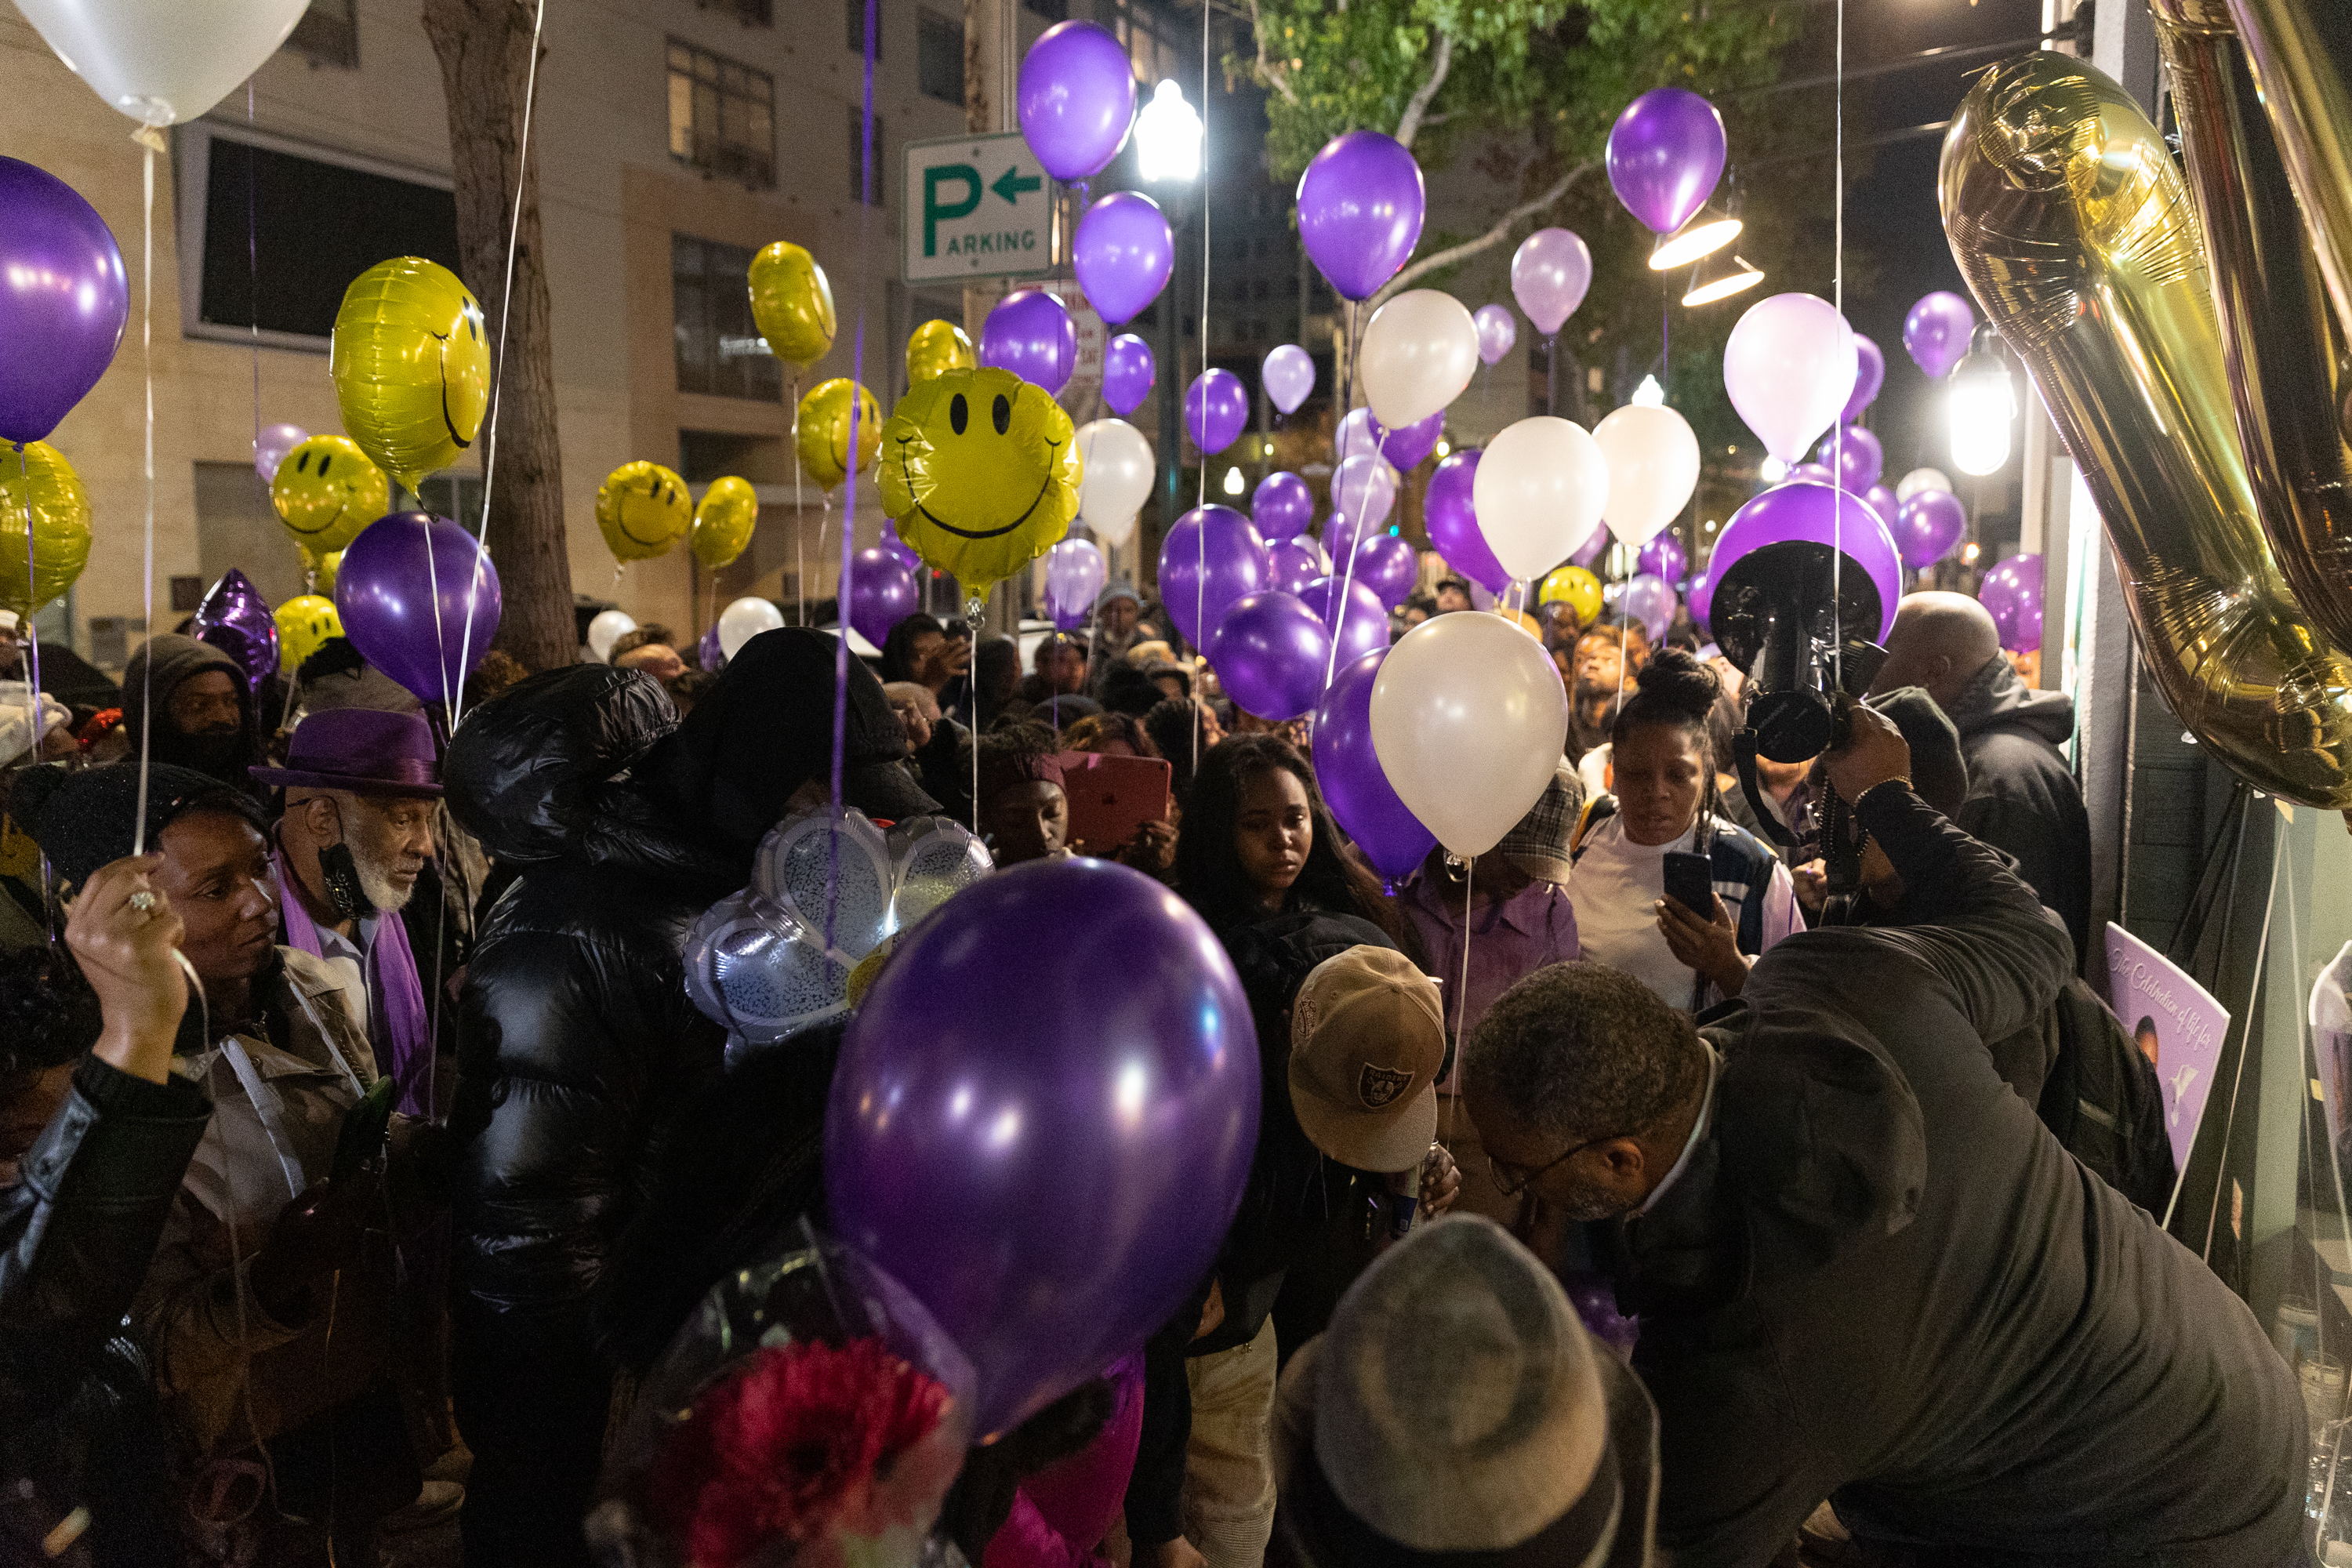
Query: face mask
(344,887)
(217,753)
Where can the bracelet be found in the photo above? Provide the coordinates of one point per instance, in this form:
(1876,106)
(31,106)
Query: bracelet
(1904,783)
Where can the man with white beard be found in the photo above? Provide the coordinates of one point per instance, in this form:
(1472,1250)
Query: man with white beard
(362,791)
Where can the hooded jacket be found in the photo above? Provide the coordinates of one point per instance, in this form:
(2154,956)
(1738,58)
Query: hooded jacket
(1880,1279)
(2023,796)
(155,669)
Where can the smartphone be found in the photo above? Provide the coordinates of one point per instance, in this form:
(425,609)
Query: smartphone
(1111,797)
(1690,882)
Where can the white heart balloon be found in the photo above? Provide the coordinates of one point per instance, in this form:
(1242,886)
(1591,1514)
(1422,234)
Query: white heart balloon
(744,619)
(162,62)
(1539,493)
(1117,478)
(1418,353)
(1653,468)
(1468,718)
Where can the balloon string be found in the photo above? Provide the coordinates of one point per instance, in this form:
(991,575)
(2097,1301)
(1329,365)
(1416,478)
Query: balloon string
(252,285)
(27,627)
(1837,442)
(800,527)
(1461,992)
(147,138)
(1337,614)
(497,377)
(849,504)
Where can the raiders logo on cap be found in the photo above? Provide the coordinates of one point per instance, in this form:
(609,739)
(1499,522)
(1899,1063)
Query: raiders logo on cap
(1379,1088)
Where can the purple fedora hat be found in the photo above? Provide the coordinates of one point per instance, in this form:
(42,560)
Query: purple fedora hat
(363,750)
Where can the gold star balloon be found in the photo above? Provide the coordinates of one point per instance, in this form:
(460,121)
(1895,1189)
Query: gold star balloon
(980,474)
(41,499)
(792,302)
(411,364)
(326,491)
(723,520)
(824,432)
(643,511)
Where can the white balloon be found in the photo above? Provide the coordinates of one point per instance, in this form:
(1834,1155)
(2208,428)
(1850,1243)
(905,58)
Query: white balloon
(744,619)
(1468,718)
(162,62)
(1652,469)
(1789,366)
(1539,493)
(607,628)
(1117,479)
(1418,353)
(1918,480)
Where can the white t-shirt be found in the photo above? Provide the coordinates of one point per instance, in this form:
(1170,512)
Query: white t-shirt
(1616,890)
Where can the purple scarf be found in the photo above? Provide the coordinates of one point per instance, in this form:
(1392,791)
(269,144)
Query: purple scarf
(398,1027)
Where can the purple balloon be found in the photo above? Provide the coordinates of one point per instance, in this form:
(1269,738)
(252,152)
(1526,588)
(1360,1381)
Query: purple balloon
(1123,255)
(1665,153)
(1926,526)
(63,300)
(1216,407)
(1549,274)
(1881,500)
(1497,330)
(1269,653)
(1407,445)
(951,1130)
(1364,487)
(1817,514)
(1452,522)
(1936,331)
(708,653)
(881,594)
(1387,565)
(1363,629)
(1290,566)
(234,617)
(1662,557)
(2011,593)
(1590,550)
(1360,202)
(1282,506)
(1809,473)
(1856,455)
(1701,597)
(1350,777)
(1029,333)
(1870,374)
(1649,600)
(1076,99)
(1287,376)
(1233,553)
(1075,573)
(269,449)
(899,549)
(419,598)
(1128,371)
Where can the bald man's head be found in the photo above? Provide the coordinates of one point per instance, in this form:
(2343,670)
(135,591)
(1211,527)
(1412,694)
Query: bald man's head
(1940,641)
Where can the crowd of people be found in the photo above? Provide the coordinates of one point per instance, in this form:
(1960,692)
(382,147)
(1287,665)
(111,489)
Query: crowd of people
(1624,1200)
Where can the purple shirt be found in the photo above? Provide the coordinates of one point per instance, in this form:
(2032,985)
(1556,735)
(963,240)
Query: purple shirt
(1508,941)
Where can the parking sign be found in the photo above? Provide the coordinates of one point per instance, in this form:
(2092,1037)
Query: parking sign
(975,206)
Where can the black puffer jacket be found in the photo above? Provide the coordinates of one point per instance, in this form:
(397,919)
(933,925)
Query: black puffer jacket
(2023,797)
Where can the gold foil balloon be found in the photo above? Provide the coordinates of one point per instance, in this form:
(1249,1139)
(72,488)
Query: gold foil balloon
(980,474)
(40,495)
(643,511)
(411,364)
(322,570)
(824,432)
(723,520)
(2301,53)
(2073,228)
(936,348)
(304,623)
(326,491)
(793,303)
(1577,588)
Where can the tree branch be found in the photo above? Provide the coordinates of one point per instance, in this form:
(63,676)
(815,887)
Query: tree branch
(1486,241)
(1272,74)
(1417,106)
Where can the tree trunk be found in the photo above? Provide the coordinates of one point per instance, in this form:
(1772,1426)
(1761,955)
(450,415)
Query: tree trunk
(483,47)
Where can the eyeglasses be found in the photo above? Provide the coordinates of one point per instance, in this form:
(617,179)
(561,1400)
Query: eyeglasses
(1511,1189)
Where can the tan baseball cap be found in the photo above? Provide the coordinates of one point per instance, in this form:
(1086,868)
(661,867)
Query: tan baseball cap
(1366,1037)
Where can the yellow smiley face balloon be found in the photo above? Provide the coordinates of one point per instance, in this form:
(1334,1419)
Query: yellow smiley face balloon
(643,510)
(304,624)
(936,348)
(723,520)
(980,474)
(322,570)
(792,302)
(326,491)
(1577,588)
(823,431)
(410,363)
(39,491)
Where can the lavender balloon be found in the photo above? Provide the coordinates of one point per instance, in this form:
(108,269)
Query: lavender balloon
(1387,565)
(1128,371)
(1549,274)
(1355,434)
(1360,628)
(63,300)
(1856,454)
(1075,573)
(1365,487)
(1287,376)
(1269,653)
(1649,599)
(234,617)
(1076,99)
(1497,330)
(881,594)
(1216,407)
(708,653)
(1282,506)
(1665,155)
(419,598)
(1870,374)
(1452,522)
(1123,255)
(1352,779)
(1029,333)
(269,449)
(1926,526)
(1662,557)
(1290,565)
(1407,445)
(2011,593)
(951,1127)
(1880,500)
(1936,331)
(1233,555)
(1360,204)
(1817,514)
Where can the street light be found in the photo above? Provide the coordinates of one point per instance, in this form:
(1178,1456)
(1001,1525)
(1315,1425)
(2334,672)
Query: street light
(1168,153)
(1168,137)
(1709,230)
(1233,481)
(1713,282)
(1983,405)
(1649,394)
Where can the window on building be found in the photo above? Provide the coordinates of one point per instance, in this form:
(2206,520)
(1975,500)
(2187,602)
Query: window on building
(938,58)
(327,34)
(751,13)
(458,497)
(857,28)
(858,190)
(1052,10)
(722,116)
(719,353)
